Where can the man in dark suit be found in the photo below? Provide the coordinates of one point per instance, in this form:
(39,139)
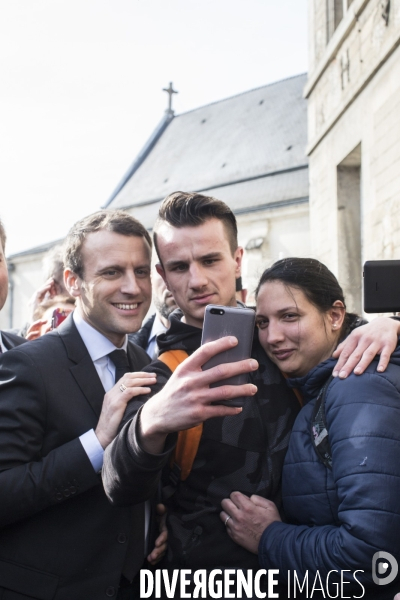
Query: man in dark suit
(7,340)
(60,407)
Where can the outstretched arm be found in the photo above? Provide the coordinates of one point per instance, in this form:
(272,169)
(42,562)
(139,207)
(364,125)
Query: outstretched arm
(187,398)
(359,349)
(133,461)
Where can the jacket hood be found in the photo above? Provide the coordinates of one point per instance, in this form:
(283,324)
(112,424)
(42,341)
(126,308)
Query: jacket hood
(179,336)
(309,385)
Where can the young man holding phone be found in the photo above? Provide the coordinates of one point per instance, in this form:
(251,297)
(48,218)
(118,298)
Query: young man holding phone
(196,242)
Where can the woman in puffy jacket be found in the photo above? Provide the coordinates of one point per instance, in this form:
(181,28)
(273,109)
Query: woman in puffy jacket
(341,498)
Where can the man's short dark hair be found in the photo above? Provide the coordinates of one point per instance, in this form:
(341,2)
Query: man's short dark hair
(3,236)
(116,221)
(188,209)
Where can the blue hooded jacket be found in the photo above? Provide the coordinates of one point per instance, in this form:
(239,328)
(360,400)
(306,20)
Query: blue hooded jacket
(337,520)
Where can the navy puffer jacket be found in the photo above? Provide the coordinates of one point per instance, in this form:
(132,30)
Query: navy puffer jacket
(337,520)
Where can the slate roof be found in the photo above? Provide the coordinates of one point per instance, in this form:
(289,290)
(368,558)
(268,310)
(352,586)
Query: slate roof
(248,150)
(36,249)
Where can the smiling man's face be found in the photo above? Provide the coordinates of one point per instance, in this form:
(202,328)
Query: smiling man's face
(198,267)
(114,293)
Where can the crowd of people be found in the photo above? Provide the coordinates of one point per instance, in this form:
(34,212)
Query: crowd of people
(116,455)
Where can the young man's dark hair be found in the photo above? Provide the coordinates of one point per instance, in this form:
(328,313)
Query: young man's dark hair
(3,236)
(116,221)
(188,209)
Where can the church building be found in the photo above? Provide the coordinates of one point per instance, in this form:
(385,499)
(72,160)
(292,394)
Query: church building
(330,190)
(249,151)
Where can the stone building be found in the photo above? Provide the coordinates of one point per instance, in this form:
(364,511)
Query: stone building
(353,94)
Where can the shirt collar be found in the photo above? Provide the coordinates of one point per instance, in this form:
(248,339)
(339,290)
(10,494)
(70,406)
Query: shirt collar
(157,328)
(96,343)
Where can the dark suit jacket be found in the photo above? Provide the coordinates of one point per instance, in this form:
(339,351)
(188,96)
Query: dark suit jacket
(10,340)
(60,539)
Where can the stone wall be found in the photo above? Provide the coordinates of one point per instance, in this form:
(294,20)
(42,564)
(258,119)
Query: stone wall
(354,131)
(284,231)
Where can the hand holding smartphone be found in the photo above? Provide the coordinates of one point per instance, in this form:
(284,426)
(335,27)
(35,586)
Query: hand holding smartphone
(221,321)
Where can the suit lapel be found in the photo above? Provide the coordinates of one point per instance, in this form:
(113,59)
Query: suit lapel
(83,371)
(86,376)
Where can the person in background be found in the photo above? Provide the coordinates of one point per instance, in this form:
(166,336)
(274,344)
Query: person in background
(241,292)
(45,322)
(8,340)
(158,323)
(54,284)
(341,476)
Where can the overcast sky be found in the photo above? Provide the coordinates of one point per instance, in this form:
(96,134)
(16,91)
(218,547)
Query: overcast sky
(81,85)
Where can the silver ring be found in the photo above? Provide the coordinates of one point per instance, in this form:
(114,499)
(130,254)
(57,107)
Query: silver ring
(122,387)
(227,519)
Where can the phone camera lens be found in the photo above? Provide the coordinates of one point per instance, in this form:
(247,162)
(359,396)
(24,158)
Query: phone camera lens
(217,311)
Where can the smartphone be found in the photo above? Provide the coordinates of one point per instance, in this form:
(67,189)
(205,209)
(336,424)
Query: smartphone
(382,286)
(59,315)
(220,321)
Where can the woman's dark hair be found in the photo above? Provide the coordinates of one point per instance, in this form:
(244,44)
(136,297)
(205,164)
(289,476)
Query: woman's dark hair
(313,278)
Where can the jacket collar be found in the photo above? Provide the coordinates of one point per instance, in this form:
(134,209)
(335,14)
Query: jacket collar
(179,336)
(309,385)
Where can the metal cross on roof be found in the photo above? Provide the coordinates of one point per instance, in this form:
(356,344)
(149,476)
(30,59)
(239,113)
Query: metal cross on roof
(170,90)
